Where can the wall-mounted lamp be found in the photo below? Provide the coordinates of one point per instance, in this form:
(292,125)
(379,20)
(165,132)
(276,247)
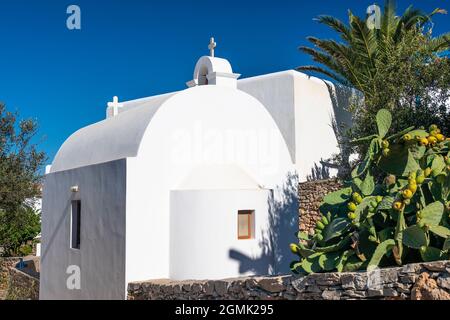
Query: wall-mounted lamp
(74,188)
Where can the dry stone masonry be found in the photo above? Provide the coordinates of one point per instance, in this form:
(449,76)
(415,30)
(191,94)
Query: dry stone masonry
(420,281)
(22,286)
(5,265)
(311,194)
(15,284)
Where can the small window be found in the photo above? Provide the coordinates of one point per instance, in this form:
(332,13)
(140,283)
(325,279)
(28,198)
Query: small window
(75,224)
(246,224)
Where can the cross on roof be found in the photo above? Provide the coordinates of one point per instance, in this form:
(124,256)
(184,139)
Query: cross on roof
(211,46)
(115,105)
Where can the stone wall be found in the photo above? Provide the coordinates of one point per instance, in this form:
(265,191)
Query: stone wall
(5,265)
(421,281)
(22,286)
(15,284)
(311,194)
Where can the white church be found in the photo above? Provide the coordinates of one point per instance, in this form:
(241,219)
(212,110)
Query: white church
(195,184)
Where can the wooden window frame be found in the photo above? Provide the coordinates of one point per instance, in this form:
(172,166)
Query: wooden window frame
(250,222)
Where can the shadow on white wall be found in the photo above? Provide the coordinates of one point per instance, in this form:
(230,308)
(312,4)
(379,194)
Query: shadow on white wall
(283,228)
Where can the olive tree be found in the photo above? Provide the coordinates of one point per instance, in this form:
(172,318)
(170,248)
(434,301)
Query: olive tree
(20,178)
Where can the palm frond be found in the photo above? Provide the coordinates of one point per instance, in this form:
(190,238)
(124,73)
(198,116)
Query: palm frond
(440,43)
(324,72)
(329,61)
(336,25)
(388,19)
(335,49)
(410,19)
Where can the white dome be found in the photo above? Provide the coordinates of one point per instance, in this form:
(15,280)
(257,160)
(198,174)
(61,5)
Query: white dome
(111,139)
(121,136)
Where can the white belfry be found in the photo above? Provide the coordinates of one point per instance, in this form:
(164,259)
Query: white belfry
(115,105)
(212,45)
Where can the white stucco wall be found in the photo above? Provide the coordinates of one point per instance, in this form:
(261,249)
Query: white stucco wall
(101,258)
(303,110)
(204,243)
(276,92)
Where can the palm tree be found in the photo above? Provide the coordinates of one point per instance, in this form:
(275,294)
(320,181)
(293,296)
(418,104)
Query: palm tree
(353,61)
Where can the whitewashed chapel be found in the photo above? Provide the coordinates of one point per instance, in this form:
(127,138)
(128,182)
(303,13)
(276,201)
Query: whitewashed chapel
(195,184)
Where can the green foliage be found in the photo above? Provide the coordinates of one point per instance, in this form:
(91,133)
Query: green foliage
(25,250)
(384,121)
(401,67)
(414,237)
(381,250)
(400,215)
(20,162)
(18,229)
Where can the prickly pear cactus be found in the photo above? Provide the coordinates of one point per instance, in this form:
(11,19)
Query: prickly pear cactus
(399,217)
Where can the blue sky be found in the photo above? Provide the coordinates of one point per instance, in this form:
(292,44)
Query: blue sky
(138,48)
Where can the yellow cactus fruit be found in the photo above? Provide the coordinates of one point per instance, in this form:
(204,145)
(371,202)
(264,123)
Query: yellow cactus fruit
(420,177)
(397,205)
(357,197)
(433,133)
(294,248)
(386,152)
(427,172)
(432,140)
(351,215)
(407,137)
(412,187)
(407,194)
(440,137)
(433,127)
(385,144)
(423,141)
(351,206)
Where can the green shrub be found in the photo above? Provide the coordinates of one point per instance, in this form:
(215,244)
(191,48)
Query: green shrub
(25,250)
(394,210)
(17,229)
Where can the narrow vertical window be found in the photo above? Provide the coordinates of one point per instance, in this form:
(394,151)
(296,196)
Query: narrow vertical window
(75,224)
(246,224)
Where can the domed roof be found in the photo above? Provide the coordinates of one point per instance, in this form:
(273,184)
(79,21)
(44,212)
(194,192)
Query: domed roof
(111,139)
(121,136)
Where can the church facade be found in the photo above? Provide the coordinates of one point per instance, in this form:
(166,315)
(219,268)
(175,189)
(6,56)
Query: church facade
(195,184)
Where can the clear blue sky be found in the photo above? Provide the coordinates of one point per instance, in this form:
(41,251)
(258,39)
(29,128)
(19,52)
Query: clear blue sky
(138,48)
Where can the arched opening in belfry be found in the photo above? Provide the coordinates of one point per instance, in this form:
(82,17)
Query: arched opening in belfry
(202,79)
